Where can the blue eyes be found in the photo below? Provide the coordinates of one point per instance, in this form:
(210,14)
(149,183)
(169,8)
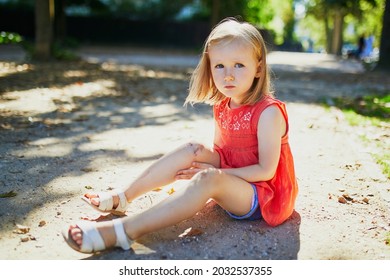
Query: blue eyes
(237,65)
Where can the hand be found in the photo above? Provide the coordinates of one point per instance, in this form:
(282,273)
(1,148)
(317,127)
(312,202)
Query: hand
(186,174)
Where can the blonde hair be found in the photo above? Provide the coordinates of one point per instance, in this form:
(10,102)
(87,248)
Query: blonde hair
(202,87)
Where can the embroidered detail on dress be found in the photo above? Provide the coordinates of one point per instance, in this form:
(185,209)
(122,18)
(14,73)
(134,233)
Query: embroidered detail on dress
(247,116)
(224,124)
(235,122)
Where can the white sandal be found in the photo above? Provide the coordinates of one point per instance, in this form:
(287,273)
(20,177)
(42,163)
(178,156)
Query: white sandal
(106,202)
(93,241)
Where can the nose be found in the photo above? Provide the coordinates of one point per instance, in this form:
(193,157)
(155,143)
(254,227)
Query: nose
(228,76)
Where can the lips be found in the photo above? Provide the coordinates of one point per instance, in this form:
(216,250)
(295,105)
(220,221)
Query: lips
(229,87)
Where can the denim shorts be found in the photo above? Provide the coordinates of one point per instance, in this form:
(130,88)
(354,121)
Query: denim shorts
(254,213)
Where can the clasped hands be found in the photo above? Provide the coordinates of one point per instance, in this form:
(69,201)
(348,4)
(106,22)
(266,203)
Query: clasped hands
(196,167)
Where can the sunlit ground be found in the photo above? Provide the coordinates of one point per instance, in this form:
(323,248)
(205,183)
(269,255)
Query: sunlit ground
(69,127)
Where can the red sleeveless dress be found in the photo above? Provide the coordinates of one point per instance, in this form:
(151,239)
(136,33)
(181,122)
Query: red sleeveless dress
(239,148)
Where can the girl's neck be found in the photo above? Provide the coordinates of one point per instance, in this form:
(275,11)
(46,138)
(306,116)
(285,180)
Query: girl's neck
(234,104)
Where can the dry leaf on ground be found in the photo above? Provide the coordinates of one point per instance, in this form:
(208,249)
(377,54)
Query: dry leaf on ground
(8,194)
(20,229)
(191,232)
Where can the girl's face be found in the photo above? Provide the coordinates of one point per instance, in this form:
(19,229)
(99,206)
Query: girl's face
(234,67)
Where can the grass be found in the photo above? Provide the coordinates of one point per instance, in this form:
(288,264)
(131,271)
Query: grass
(372,110)
(376,106)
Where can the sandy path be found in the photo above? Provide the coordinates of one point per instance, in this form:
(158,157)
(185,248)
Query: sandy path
(93,130)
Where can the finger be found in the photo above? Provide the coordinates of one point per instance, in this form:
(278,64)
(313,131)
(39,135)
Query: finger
(188,171)
(196,164)
(201,165)
(183,177)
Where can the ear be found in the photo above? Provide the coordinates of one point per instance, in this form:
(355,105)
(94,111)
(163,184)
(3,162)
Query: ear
(258,72)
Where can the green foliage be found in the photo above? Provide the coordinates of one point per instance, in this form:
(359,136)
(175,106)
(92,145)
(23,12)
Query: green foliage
(376,105)
(260,12)
(10,38)
(363,16)
(142,10)
(65,54)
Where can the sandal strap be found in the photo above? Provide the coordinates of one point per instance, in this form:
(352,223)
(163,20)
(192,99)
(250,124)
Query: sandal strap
(106,202)
(122,206)
(122,240)
(92,240)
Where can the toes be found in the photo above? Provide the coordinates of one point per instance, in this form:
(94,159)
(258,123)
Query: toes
(93,198)
(76,234)
(90,195)
(95,201)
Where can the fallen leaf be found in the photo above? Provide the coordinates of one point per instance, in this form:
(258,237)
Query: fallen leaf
(157,189)
(171,191)
(6,126)
(8,194)
(102,218)
(342,200)
(365,200)
(42,223)
(25,239)
(347,197)
(82,118)
(20,229)
(191,232)
(86,169)
(88,187)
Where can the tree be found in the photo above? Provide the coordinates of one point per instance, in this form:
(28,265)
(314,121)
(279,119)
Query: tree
(384,55)
(333,13)
(44,18)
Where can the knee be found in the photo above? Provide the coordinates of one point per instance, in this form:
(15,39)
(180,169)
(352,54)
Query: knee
(210,177)
(194,149)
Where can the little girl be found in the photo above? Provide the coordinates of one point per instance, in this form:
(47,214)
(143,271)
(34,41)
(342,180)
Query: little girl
(249,172)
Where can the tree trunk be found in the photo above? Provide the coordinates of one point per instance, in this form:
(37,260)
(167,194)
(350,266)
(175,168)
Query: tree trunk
(384,55)
(328,34)
(215,11)
(44,15)
(337,40)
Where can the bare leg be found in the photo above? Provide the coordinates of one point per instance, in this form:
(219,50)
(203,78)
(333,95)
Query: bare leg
(232,193)
(163,171)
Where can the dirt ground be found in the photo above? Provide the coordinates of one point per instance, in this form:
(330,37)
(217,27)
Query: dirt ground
(67,128)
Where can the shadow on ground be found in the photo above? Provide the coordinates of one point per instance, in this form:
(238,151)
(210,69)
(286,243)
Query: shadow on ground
(61,122)
(220,238)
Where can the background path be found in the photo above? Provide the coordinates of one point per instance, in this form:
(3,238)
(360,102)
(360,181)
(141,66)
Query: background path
(69,127)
